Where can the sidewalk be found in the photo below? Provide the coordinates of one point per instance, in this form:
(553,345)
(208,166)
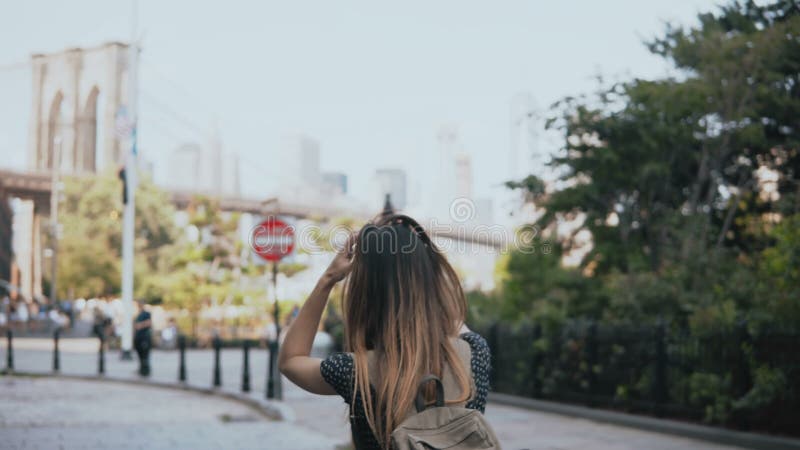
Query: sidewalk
(327,415)
(50,413)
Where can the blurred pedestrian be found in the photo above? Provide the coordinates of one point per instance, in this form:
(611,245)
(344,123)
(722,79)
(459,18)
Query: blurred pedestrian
(142,339)
(98,325)
(169,335)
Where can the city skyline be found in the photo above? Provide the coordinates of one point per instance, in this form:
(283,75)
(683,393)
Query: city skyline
(367,112)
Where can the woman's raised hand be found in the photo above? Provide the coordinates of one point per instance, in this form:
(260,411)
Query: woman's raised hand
(342,262)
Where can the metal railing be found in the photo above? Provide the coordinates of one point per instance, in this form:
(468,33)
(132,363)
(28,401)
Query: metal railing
(273,390)
(654,369)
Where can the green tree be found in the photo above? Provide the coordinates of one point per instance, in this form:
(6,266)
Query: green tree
(682,180)
(89,257)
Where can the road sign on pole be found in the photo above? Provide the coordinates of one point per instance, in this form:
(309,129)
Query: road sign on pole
(272,240)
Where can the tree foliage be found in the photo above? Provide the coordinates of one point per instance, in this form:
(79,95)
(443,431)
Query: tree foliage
(688,184)
(90,245)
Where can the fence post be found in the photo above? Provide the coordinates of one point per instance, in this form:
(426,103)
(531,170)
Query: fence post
(217,343)
(591,362)
(246,366)
(10,352)
(182,358)
(101,358)
(273,375)
(56,356)
(742,381)
(660,392)
(536,362)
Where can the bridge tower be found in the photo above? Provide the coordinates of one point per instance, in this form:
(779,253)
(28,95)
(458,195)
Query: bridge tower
(76,95)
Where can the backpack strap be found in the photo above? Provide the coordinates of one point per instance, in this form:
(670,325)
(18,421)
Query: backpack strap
(419,401)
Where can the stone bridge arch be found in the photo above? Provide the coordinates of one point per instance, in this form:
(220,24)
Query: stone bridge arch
(76,95)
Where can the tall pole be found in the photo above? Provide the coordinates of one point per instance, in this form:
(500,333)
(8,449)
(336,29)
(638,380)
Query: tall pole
(130,186)
(274,390)
(54,194)
(276,310)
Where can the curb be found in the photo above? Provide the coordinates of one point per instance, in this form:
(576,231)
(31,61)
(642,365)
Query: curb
(666,426)
(265,408)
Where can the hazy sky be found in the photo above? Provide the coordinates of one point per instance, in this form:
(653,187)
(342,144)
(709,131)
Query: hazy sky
(372,81)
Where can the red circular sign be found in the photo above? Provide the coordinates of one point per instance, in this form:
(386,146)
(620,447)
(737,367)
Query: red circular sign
(272,239)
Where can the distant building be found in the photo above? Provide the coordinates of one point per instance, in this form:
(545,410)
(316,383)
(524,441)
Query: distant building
(211,164)
(484,209)
(392,182)
(299,167)
(335,182)
(231,181)
(204,169)
(26,247)
(184,168)
(444,191)
(463,175)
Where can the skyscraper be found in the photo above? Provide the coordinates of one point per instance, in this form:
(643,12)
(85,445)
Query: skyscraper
(184,167)
(335,182)
(231,185)
(194,168)
(211,164)
(463,175)
(392,182)
(299,164)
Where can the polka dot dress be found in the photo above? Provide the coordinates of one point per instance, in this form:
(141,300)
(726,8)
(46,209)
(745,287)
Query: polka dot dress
(338,371)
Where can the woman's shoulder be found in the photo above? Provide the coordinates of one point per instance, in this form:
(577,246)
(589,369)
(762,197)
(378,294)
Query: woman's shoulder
(337,363)
(481,367)
(481,355)
(337,370)
(476,342)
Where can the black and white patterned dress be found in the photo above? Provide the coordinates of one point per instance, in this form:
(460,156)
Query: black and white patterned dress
(337,370)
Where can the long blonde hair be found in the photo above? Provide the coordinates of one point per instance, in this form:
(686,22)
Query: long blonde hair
(404,301)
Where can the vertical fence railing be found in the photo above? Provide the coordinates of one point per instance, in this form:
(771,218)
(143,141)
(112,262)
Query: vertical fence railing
(246,366)
(643,368)
(536,360)
(56,356)
(182,358)
(217,369)
(660,388)
(591,364)
(101,357)
(742,381)
(10,351)
(273,387)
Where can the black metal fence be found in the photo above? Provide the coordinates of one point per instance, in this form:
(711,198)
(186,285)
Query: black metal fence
(729,377)
(273,388)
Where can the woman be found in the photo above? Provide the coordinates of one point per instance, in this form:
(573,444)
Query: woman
(404,311)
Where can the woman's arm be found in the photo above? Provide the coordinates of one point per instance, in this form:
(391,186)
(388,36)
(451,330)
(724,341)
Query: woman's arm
(294,360)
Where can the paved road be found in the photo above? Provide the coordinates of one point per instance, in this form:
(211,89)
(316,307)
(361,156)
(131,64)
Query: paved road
(51,413)
(326,416)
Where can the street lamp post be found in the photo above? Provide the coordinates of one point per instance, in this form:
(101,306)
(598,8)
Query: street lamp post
(128,220)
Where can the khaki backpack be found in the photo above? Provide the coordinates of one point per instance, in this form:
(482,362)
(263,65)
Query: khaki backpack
(451,427)
(443,427)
